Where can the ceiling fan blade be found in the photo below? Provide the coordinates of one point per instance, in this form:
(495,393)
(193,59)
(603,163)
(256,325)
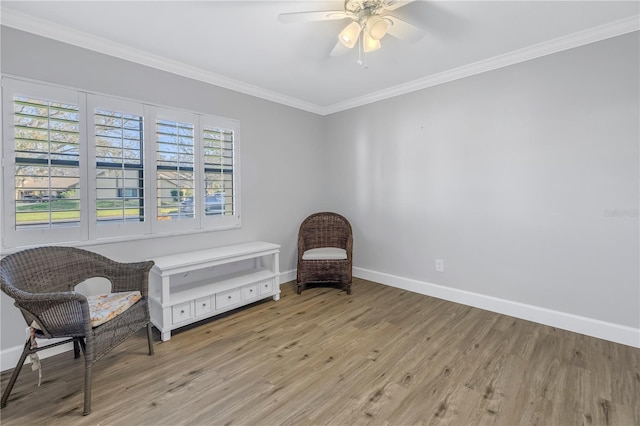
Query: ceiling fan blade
(339,49)
(403,30)
(396,4)
(322,15)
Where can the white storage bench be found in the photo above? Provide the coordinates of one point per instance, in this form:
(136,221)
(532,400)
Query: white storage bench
(188,287)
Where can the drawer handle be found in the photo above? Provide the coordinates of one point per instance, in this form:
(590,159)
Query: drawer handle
(182,311)
(251,291)
(204,304)
(229,297)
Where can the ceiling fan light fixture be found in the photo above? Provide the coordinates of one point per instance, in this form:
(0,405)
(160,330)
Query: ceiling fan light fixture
(370,44)
(349,36)
(377,27)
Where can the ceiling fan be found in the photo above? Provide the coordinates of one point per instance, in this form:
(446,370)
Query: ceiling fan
(370,22)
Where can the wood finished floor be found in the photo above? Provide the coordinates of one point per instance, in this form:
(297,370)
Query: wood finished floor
(382,356)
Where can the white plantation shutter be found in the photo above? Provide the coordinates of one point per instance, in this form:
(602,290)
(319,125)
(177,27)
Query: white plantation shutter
(119,180)
(43,144)
(174,157)
(116,143)
(175,167)
(220,171)
(218,167)
(85,167)
(46,141)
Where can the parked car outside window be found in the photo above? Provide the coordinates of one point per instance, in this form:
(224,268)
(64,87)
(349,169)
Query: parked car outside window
(213,204)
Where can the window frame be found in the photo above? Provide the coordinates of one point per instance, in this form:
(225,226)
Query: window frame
(99,230)
(180,117)
(89,231)
(232,220)
(13,237)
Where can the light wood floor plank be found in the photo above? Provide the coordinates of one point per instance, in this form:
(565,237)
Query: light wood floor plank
(381,356)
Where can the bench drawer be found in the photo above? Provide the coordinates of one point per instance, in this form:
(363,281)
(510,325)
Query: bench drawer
(229,298)
(181,312)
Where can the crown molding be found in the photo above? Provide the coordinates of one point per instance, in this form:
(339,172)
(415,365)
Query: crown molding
(581,38)
(24,22)
(44,28)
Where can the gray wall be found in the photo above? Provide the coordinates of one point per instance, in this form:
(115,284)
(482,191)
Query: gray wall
(279,148)
(524,180)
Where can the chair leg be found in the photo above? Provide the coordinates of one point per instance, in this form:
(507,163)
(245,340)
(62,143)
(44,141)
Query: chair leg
(76,348)
(150,338)
(16,371)
(82,344)
(88,346)
(299,289)
(87,387)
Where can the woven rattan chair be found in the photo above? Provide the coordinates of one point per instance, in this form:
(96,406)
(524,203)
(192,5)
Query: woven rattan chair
(325,249)
(42,281)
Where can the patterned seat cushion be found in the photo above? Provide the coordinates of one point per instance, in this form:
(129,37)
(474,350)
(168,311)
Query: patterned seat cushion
(105,307)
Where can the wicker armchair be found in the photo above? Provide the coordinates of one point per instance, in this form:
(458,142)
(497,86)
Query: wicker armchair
(318,260)
(42,281)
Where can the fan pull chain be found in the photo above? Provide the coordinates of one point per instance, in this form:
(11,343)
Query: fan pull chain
(360,53)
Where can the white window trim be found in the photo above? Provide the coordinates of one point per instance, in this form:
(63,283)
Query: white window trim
(27,237)
(229,221)
(178,116)
(90,232)
(106,230)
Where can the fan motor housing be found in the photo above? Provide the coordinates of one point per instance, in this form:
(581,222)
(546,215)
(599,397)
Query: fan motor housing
(371,6)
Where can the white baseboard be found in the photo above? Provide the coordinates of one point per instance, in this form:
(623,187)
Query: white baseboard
(588,326)
(287,276)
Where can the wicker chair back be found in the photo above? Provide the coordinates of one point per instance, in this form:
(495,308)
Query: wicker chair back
(325,229)
(41,281)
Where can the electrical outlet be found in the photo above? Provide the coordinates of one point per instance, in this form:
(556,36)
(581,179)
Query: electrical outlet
(439,265)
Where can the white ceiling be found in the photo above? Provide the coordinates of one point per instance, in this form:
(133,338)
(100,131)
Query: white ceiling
(242,45)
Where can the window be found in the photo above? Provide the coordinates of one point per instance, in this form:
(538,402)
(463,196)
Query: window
(42,141)
(196,168)
(220,166)
(46,134)
(116,175)
(119,177)
(175,162)
(218,171)
(79,167)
